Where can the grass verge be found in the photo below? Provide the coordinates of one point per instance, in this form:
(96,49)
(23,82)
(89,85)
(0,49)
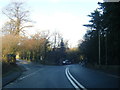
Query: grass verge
(110,69)
(7,69)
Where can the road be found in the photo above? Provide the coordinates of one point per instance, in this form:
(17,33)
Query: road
(67,76)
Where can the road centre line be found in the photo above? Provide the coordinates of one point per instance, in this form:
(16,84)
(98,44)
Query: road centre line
(75,86)
(73,80)
(81,86)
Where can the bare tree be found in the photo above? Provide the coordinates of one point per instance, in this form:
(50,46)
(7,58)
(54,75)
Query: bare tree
(56,39)
(18,17)
(9,28)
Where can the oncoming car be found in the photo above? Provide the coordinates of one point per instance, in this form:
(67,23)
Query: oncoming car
(66,62)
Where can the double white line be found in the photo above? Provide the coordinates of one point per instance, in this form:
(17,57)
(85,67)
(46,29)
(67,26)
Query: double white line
(73,81)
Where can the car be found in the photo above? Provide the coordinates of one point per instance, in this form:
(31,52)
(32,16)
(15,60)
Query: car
(66,62)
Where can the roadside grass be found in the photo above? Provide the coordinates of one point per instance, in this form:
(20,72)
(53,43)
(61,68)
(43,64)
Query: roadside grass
(8,69)
(110,69)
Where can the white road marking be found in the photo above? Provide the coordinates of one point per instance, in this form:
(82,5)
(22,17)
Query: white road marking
(73,80)
(75,86)
(29,75)
(76,81)
(113,76)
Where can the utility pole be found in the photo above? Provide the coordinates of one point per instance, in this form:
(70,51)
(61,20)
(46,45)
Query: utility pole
(99,47)
(106,62)
(99,61)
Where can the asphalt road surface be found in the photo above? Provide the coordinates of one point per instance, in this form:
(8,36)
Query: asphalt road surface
(67,76)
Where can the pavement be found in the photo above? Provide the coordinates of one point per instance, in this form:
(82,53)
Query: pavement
(10,78)
(13,76)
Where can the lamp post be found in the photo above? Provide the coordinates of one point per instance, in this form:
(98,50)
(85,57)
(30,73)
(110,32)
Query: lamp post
(99,51)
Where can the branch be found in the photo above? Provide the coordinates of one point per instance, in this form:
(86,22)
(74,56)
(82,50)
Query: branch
(25,27)
(8,16)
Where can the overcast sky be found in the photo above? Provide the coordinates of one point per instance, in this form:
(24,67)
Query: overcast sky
(65,16)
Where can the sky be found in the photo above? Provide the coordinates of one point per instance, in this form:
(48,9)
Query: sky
(64,16)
